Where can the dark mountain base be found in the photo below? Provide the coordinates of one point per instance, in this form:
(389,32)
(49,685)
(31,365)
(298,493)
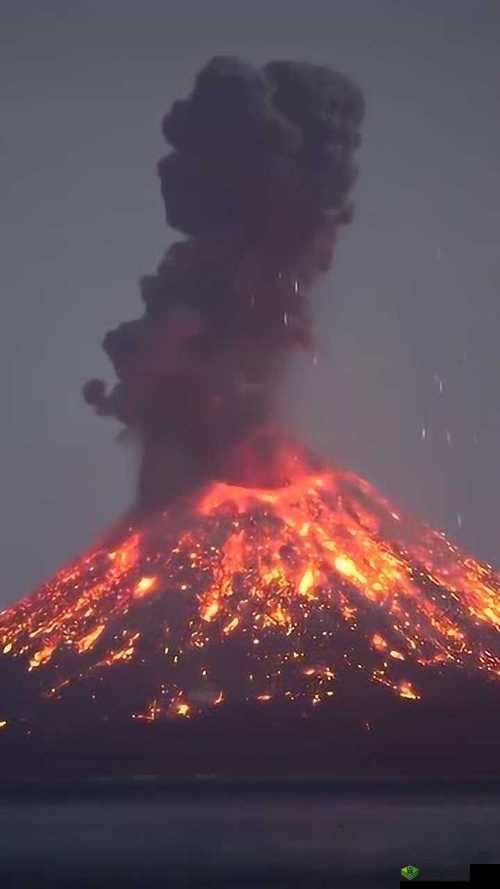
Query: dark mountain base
(249,740)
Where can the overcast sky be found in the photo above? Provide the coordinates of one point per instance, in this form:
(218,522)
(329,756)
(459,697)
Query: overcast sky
(406,390)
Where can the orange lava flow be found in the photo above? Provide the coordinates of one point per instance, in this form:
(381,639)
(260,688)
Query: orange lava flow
(297,586)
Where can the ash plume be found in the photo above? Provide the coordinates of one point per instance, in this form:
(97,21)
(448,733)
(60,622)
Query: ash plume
(258,180)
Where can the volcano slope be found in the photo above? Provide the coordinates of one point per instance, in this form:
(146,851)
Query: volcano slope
(255,629)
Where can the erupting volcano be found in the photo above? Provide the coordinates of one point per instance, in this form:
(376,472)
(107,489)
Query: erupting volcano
(247,571)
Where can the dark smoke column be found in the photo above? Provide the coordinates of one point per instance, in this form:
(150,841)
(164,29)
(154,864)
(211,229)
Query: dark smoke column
(259,181)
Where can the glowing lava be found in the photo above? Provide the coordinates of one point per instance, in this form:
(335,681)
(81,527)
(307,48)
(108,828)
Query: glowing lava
(261,594)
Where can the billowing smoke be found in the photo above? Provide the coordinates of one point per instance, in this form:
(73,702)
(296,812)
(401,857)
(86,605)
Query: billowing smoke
(258,180)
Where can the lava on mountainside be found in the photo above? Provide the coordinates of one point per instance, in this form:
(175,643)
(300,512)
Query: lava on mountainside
(258,595)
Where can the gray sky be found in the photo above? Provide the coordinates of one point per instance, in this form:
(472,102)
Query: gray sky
(411,309)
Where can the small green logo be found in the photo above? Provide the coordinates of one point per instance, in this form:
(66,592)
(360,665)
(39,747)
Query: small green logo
(409,872)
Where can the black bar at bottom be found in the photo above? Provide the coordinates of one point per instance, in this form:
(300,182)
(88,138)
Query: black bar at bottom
(480,872)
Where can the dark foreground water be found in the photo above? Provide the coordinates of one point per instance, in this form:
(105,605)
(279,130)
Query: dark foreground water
(253,834)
